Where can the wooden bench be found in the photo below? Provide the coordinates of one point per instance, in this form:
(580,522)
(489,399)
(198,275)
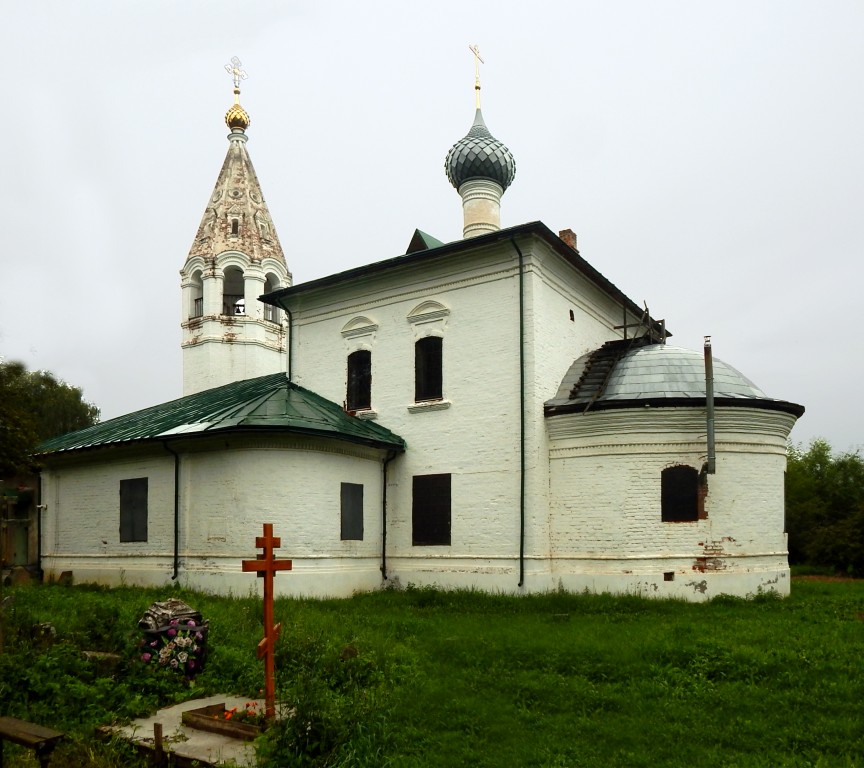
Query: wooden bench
(36,737)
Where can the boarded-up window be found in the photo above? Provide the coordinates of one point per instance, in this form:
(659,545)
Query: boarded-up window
(133,509)
(679,494)
(352,511)
(430,510)
(427,369)
(359,394)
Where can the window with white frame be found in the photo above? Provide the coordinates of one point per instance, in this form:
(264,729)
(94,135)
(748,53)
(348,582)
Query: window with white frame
(429,320)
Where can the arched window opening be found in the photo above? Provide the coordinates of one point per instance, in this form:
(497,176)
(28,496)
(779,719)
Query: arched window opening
(359,390)
(197,308)
(428,377)
(233,301)
(681,499)
(271,283)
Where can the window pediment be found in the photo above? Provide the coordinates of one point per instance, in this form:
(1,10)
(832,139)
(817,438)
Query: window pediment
(428,312)
(359,326)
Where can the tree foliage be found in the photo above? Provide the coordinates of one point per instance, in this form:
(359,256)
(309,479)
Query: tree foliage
(34,406)
(825,507)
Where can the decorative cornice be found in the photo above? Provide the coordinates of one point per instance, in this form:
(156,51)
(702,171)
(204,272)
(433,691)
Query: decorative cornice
(335,309)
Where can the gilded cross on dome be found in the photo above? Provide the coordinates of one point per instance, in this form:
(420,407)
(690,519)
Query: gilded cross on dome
(237,119)
(234,69)
(475,49)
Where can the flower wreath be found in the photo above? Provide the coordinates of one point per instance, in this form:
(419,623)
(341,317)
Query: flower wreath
(181,646)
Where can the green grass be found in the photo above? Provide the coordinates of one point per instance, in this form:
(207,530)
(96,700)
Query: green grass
(428,678)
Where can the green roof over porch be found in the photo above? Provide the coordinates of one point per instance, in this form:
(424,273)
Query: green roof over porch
(267,403)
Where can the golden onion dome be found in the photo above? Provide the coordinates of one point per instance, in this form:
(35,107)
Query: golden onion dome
(237,117)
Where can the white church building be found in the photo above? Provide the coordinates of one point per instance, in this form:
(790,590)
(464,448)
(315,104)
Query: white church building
(490,413)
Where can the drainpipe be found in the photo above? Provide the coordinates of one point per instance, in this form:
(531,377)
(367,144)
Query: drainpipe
(390,456)
(176,510)
(710,465)
(290,342)
(521,413)
(290,363)
(40,508)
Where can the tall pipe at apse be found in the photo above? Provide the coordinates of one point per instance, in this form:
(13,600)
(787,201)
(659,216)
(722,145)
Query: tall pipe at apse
(709,406)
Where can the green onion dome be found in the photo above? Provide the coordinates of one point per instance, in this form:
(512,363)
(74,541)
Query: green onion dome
(479,155)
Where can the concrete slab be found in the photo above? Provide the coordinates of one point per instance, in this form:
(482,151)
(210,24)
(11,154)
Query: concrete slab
(189,743)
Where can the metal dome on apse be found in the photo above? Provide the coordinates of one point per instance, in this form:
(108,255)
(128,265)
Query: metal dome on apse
(479,155)
(658,371)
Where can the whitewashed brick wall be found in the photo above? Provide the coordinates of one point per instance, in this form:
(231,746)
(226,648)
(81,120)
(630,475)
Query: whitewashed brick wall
(476,437)
(227,492)
(606,523)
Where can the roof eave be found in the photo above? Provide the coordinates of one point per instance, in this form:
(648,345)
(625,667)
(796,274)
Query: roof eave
(674,402)
(397,445)
(537,228)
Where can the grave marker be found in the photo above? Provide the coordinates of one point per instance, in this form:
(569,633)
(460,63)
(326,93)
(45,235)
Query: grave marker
(266,565)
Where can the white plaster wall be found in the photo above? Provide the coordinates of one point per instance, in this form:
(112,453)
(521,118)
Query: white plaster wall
(292,483)
(228,349)
(227,492)
(606,525)
(81,521)
(476,435)
(554,289)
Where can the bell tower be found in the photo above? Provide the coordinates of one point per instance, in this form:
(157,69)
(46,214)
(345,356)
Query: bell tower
(227,334)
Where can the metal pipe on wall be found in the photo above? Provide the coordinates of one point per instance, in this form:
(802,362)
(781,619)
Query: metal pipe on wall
(711,463)
(176,510)
(521,413)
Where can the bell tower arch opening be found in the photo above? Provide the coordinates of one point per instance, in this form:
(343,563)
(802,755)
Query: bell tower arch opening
(233,295)
(272,283)
(196,308)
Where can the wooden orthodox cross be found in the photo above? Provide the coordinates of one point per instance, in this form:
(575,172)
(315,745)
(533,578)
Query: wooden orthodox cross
(266,565)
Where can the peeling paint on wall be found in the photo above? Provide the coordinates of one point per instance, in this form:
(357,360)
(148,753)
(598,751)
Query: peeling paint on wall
(703,564)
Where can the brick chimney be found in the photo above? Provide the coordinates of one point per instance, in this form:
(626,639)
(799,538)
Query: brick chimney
(569,237)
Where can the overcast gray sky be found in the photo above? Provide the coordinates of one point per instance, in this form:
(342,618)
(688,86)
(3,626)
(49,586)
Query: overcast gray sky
(710,157)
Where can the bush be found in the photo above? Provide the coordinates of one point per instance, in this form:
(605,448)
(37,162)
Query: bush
(825,508)
(333,711)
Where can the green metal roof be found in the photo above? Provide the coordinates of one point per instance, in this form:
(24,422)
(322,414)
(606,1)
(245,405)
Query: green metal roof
(422,241)
(269,403)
